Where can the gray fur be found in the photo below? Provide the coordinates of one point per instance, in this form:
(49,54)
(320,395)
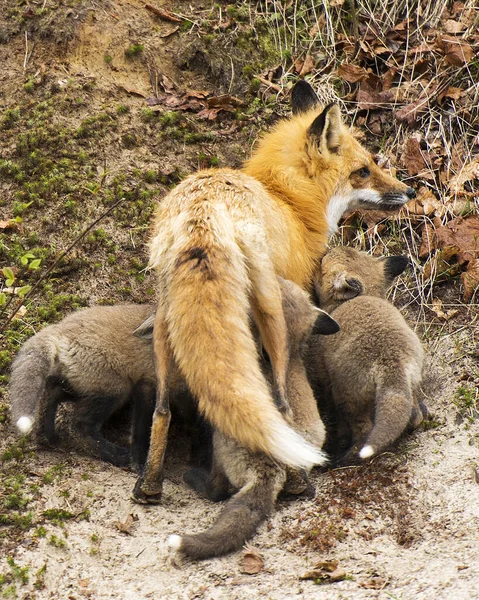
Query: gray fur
(369,374)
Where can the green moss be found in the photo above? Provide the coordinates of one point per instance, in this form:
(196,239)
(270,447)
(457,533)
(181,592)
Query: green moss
(134,50)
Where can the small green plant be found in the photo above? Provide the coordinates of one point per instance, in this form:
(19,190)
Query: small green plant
(107,58)
(57,542)
(134,50)
(122,109)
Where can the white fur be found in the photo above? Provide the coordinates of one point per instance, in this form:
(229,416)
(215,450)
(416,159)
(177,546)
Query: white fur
(366,452)
(340,203)
(25,424)
(289,448)
(174,542)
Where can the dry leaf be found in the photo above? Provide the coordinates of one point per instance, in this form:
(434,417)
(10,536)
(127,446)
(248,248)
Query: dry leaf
(462,233)
(127,524)
(428,241)
(251,562)
(325,572)
(375,583)
(454,26)
(443,265)
(470,279)
(438,311)
(457,52)
(352,73)
(468,172)
(409,113)
(414,157)
(9,224)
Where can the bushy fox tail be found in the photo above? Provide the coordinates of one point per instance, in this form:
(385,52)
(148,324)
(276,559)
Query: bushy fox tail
(394,405)
(206,291)
(30,370)
(236,523)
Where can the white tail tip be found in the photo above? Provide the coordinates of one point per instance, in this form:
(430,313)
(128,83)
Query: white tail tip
(291,449)
(25,424)
(366,452)
(174,542)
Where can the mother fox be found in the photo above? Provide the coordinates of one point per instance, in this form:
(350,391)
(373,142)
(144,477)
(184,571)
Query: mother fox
(220,237)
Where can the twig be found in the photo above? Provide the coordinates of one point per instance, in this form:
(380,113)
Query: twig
(25,60)
(270,84)
(354,18)
(55,263)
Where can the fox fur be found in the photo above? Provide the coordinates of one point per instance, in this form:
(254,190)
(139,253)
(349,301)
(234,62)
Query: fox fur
(256,478)
(370,373)
(219,239)
(91,357)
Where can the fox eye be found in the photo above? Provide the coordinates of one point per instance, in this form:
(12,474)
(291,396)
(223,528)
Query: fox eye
(363,172)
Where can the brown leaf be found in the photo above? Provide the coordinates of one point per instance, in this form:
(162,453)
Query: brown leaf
(251,562)
(470,279)
(409,113)
(443,265)
(134,91)
(457,52)
(451,26)
(438,311)
(166,15)
(462,232)
(225,101)
(9,224)
(308,66)
(375,583)
(352,73)
(428,241)
(325,572)
(467,173)
(414,158)
(127,524)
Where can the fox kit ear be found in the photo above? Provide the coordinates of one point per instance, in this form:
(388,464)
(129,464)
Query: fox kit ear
(324,324)
(346,288)
(303,97)
(394,266)
(326,129)
(145,330)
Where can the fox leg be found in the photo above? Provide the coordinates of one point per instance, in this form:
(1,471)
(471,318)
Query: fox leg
(143,407)
(269,318)
(213,485)
(149,486)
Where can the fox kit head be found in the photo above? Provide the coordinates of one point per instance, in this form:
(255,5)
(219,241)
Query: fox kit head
(345,273)
(359,182)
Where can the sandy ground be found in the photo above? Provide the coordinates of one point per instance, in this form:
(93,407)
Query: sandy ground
(435,510)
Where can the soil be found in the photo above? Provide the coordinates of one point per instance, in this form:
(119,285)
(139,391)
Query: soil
(405,526)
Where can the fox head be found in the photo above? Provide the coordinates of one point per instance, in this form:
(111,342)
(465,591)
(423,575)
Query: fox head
(315,162)
(360,183)
(345,273)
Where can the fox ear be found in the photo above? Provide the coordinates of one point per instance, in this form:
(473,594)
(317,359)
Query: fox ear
(324,324)
(145,330)
(394,266)
(303,97)
(346,288)
(326,129)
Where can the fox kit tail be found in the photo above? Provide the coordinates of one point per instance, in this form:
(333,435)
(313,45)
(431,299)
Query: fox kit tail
(394,405)
(28,382)
(236,523)
(206,289)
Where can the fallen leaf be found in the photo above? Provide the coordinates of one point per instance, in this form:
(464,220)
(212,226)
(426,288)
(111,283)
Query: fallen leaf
(428,241)
(9,224)
(375,583)
(454,26)
(468,172)
(414,157)
(134,91)
(325,572)
(439,312)
(463,233)
(127,524)
(442,265)
(251,562)
(352,73)
(409,113)
(457,52)
(470,279)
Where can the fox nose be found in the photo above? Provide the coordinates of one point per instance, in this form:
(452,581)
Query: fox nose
(411,192)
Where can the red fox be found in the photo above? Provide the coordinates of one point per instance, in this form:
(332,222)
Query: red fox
(219,239)
(256,478)
(369,374)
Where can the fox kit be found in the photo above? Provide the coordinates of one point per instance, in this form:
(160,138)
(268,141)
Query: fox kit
(218,241)
(256,477)
(371,370)
(92,358)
